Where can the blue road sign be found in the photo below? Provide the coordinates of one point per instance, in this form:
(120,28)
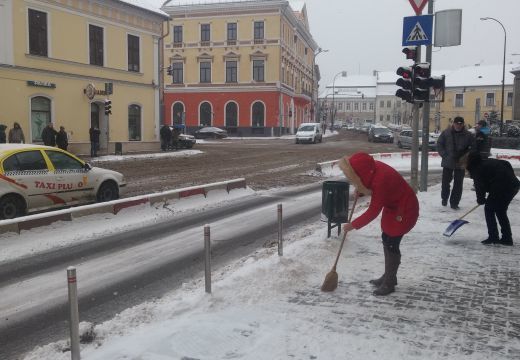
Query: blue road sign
(418,30)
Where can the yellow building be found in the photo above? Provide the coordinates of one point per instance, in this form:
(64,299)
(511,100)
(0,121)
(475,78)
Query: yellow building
(59,59)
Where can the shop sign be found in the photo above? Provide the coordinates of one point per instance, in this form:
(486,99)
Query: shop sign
(91,91)
(44,84)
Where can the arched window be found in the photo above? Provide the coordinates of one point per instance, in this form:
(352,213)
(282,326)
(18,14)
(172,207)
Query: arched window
(134,123)
(205,114)
(40,116)
(231,114)
(258,114)
(178,115)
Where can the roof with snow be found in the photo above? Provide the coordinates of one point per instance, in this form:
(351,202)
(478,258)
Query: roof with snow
(148,5)
(480,75)
(354,81)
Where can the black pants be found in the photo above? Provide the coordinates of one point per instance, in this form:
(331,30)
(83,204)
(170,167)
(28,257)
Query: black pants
(496,209)
(457,175)
(392,243)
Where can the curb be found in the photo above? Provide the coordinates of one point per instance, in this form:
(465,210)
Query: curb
(114,207)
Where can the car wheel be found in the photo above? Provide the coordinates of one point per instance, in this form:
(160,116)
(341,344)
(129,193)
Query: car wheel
(11,206)
(399,145)
(107,191)
(296,141)
(314,140)
(321,139)
(189,146)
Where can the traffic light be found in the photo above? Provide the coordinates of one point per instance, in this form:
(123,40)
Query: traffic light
(108,107)
(169,70)
(411,53)
(422,82)
(406,83)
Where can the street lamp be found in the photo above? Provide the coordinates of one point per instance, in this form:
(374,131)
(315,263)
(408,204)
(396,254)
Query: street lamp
(343,74)
(313,100)
(503,72)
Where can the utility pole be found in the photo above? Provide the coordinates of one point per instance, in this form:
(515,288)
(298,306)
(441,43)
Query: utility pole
(415,138)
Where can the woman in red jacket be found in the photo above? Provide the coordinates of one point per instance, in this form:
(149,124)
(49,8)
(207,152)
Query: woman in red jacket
(391,194)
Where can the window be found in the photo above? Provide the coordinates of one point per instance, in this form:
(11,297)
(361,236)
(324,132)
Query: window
(177,35)
(382,104)
(177,72)
(38,44)
(356,106)
(205,33)
(134,123)
(231,31)
(258,70)
(371,107)
(40,116)
(364,106)
(388,118)
(205,72)
(63,161)
(258,114)
(25,161)
(490,99)
(231,114)
(348,106)
(231,71)
(205,114)
(459,100)
(509,99)
(178,114)
(389,103)
(96,45)
(381,118)
(133,53)
(398,104)
(259,30)
(340,106)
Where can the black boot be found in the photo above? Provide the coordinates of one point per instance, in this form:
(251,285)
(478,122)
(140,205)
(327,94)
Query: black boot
(507,241)
(390,280)
(378,282)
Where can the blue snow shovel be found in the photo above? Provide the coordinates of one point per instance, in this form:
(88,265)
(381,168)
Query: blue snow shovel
(455,224)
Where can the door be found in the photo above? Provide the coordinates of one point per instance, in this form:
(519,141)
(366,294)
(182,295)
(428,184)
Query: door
(100,120)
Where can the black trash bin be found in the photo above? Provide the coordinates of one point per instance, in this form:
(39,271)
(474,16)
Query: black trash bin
(334,203)
(119,148)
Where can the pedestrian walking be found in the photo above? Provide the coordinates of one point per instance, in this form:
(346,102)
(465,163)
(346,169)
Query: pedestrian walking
(16,135)
(392,195)
(62,139)
(452,144)
(497,179)
(94,133)
(482,139)
(3,136)
(166,136)
(49,135)
(175,137)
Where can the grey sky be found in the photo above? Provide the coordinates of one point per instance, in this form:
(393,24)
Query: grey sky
(365,35)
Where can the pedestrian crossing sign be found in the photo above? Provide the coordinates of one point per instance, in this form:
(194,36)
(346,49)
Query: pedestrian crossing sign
(418,30)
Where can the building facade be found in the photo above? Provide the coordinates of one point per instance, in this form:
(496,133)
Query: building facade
(516,93)
(57,56)
(246,66)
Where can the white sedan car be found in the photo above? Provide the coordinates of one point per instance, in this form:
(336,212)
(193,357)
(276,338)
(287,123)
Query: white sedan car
(36,178)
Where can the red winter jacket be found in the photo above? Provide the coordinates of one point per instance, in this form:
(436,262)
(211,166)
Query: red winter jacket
(390,193)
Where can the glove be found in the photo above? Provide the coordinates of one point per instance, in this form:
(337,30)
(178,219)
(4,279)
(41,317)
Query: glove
(481,201)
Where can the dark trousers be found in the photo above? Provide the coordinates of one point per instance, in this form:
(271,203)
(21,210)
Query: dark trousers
(496,209)
(457,175)
(391,243)
(94,146)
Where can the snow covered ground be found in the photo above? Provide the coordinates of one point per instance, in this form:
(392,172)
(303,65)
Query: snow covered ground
(456,299)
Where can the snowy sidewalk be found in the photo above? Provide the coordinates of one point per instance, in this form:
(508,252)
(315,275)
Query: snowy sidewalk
(456,299)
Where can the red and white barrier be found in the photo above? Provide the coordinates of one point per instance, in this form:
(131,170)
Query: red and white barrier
(114,207)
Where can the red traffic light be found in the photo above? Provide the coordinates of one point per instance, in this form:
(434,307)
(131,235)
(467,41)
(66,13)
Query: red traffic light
(405,71)
(411,52)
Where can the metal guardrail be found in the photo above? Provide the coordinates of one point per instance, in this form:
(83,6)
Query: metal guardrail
(115,206)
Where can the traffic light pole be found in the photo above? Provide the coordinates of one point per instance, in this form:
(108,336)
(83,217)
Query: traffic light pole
(426,122)
(414,171)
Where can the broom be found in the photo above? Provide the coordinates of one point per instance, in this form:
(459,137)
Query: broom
(331,279)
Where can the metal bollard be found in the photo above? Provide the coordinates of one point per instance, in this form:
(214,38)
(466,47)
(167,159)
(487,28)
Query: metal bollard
(207,255)
(280,231)
(74,315)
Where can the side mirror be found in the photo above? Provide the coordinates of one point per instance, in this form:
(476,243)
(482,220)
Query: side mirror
(87,167)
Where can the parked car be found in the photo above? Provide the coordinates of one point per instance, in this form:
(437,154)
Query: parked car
(185,140)
(309,132)
(36,178)
(404,140)
(210,132)
(378,133)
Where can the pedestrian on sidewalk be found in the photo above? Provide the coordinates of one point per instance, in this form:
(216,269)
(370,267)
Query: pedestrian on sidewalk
(94,134)
(497,179)
(49,135)
(482,139)
(16,135)
(62,139)
(452,145)
(391,194)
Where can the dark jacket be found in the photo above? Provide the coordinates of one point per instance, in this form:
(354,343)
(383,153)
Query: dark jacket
(3,136)
(492,176)
(166,133)
(483,142)
(62,140)
(94,135)
(453,145)
(49,136)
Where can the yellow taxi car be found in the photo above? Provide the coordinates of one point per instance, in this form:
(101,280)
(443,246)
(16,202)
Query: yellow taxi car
(35,178)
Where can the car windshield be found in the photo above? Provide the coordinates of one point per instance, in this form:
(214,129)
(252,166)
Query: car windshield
(381,131)
(307,128)
(210,129)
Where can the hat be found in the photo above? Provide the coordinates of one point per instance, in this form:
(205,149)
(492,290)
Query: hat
(359,170)
(458,120)
(482,123)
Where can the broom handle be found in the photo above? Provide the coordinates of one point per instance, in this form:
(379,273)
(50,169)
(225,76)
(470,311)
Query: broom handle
(345,234)
(466,214)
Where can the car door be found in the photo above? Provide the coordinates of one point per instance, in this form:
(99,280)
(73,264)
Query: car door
(71,178)
(30,174)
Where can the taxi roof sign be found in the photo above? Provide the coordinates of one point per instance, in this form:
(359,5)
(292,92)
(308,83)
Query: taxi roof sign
(418,5)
